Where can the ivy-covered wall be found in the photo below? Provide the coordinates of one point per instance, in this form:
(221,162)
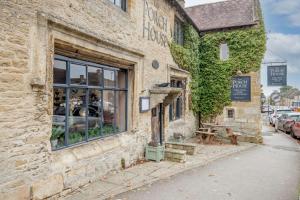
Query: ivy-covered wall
(211,77)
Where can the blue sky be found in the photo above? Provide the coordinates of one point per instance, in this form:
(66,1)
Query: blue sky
(282,21)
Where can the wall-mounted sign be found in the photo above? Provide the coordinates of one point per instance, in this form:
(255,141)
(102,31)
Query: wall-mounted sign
(155,26)
(277,75)
(144,104)
(241,88)
(155,64)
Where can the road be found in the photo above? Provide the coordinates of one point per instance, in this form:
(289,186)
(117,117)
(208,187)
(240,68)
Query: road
(266,172)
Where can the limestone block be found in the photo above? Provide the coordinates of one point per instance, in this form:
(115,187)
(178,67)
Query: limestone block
(47,187)
(19,193)
(87,150)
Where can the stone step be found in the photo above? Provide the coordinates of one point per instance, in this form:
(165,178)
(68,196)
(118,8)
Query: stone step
(190,148)
(175,155)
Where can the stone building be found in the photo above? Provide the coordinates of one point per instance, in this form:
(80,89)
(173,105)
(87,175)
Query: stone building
(230,16)
(82,88)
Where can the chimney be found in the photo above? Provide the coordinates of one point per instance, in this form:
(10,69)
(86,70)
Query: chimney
(182,3)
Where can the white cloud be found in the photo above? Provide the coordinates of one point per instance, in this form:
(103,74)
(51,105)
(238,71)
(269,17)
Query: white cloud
(189,3)
(282,47)
(288,8)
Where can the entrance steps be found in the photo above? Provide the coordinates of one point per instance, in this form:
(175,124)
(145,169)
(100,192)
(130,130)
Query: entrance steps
(190,148)
(177,152)
(175,155)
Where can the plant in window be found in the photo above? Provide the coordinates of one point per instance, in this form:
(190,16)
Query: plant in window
(57,136)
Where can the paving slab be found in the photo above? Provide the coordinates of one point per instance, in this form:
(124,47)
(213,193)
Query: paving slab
(149,172)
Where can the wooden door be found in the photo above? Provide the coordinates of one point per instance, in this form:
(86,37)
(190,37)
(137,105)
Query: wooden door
(156,124)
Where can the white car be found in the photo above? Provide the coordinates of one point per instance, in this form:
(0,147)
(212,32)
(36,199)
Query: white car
(277,113)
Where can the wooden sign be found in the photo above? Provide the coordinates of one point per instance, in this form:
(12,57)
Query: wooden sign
(241,88)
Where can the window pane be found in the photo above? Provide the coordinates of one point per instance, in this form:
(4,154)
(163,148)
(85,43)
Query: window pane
(178,107)
(94,117)
(121,111)
(121,76)
(171,112)
(108,112)
(77,115)
(95,76)
(59,72)
(78,74)
(58,120)
(118,3)
(224,52)
(109,78)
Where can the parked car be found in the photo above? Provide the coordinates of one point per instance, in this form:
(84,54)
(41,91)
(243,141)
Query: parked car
(277,113)
(295,130)
(285,122)
(266,109)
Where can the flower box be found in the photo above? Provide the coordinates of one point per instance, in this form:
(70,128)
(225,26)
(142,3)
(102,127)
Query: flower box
(155,153)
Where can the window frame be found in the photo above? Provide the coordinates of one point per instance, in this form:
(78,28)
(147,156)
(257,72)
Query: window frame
(178,31)
(123,6)
(68,86)
(224,46)
(233,113)
(176,107)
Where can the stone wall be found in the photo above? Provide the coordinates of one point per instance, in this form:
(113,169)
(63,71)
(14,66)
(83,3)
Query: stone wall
(30,32)
(247,117)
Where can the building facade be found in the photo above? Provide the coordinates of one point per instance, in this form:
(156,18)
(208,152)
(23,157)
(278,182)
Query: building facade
(84,85)
(231,18)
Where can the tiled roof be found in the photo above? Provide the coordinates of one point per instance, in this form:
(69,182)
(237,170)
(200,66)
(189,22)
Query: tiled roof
(227,14)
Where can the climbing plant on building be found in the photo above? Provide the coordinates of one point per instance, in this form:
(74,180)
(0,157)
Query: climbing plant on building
(211,76)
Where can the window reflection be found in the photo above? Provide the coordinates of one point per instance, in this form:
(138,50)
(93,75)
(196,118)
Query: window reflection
(94,117)
(59,72)
(58,119)
(77,106)
(77,74)
(108,112)
(109,78)
(121,76)
(95,76)
(82,108)
(120,111)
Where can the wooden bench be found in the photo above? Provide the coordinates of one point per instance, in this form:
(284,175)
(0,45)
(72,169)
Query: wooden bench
(207,136)
(233,136)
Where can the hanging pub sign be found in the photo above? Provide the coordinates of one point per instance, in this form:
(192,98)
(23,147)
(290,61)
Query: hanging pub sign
(241,88)
(277,75)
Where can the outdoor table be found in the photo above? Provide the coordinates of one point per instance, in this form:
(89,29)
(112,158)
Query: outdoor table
(207,135)
(232,135)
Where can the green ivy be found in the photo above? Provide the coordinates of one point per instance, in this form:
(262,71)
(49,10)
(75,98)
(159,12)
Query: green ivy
(211,77)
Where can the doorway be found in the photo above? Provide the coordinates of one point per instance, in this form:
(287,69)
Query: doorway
(157,124)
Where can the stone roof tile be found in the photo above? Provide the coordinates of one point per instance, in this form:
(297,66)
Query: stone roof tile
(227,14)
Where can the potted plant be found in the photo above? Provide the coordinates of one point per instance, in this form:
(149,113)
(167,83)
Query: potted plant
(154,151)
(57,132)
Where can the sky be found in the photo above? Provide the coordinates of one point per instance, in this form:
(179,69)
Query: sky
(282,21)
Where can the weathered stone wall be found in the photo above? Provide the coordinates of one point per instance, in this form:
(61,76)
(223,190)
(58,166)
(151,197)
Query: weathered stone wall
(247,117)
(28,31)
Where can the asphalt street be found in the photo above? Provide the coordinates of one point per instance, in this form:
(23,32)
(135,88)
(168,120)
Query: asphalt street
(267,172)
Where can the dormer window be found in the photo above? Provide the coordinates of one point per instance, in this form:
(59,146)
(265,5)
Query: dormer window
(224,52)
(120,3)
(178,31)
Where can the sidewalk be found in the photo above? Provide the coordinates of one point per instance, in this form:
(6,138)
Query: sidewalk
(149,172)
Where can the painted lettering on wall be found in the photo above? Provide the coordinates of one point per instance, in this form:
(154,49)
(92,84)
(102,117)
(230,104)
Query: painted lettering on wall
(155,26)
